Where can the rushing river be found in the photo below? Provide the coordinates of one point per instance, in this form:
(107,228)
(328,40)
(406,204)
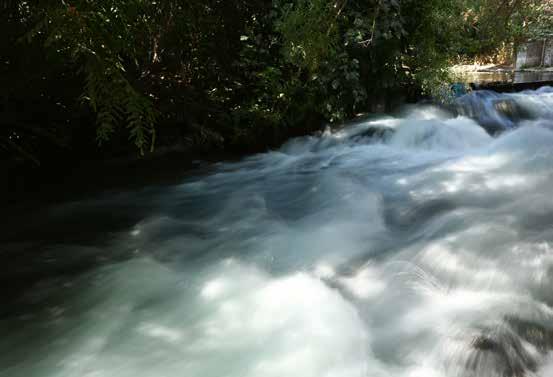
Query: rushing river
(408,246)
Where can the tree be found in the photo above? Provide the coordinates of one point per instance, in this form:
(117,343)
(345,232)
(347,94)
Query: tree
(219,71)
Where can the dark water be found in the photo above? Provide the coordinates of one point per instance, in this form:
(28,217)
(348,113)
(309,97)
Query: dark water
(415,245)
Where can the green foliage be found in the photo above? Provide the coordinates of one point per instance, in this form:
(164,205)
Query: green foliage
(539,23)
(348,51)
(222,70)
(490,25)
(115,102)
(308,32)
(103,40)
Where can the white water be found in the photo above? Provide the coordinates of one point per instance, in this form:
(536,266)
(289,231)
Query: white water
(428,252)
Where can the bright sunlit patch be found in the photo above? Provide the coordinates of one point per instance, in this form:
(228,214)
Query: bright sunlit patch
(477,164)
(425,371)
(293,326)
(387,122)
(214,288)
(402,181)
(160,332)
(324,271)
(365,284)
(507,181)
(546,370)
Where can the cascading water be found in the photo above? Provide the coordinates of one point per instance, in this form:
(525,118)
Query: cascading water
(400,246)
(497,112)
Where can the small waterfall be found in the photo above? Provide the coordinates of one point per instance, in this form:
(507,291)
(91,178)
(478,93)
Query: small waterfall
(497,112)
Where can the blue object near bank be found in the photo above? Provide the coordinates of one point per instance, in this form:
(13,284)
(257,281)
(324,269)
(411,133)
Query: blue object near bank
(459,89)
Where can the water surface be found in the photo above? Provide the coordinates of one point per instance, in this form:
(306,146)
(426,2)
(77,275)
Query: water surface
(414,245)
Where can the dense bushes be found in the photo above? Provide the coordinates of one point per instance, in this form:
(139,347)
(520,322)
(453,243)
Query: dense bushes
(219,72)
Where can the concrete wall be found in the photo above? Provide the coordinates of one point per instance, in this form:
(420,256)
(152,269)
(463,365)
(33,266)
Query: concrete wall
(548,57)
(531,54)
(522,52)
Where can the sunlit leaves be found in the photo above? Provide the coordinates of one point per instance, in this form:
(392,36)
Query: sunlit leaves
(309,33)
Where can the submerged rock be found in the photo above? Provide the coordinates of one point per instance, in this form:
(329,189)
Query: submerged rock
(376,132)
(498,112)
(510,109)
(513,349)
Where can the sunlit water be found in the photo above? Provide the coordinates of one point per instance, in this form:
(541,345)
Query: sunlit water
(406,246)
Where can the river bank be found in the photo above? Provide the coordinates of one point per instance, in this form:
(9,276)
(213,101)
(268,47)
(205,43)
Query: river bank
(503,78)
(182,145)
(80,172)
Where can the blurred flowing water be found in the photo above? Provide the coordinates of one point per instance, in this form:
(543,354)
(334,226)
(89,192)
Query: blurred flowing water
(414,245)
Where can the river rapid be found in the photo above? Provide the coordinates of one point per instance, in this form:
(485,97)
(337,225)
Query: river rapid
(414,245)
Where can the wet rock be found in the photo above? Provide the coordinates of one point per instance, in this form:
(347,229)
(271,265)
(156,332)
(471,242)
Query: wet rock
(500,353)
(537,335)
(504,351)
(511,110)
(484,343)
(379,133)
